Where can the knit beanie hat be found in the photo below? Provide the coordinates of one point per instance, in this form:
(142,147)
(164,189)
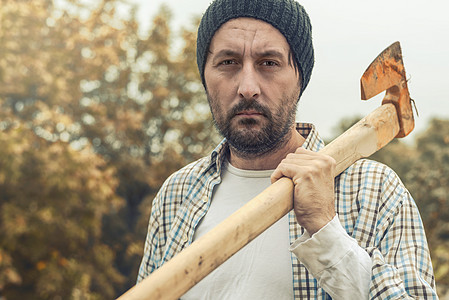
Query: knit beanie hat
(288,16)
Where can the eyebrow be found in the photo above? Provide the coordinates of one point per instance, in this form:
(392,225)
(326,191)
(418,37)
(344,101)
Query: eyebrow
(224,53)
(270,53)
(233,53)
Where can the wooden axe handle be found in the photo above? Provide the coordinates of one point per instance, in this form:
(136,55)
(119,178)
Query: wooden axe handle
(195,262)
(367,136)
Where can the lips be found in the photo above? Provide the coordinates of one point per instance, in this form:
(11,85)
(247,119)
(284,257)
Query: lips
(249,113)
(249,109)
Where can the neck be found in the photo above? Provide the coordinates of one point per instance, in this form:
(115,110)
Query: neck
(269,160)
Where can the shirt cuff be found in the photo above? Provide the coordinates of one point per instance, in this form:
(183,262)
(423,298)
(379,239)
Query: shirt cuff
(331,254)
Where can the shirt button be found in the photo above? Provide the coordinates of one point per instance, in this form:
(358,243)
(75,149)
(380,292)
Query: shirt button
(205,199)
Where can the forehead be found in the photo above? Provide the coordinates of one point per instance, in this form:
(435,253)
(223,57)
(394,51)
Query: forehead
(241,31)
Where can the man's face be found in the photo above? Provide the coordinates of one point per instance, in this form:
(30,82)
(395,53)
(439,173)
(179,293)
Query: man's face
(252,85)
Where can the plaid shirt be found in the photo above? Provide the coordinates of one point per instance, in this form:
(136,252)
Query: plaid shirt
(372,204)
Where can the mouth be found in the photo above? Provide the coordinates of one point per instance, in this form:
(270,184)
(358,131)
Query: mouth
(249,113)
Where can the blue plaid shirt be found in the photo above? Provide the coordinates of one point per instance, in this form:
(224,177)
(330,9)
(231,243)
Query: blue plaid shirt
(373,206)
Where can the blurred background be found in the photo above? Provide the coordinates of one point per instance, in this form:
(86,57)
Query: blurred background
(100,101)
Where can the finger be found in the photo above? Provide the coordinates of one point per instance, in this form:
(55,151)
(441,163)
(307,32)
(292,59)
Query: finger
(294,165)
(292,171)
(302,150)
(309,156)
(304,153)
(319,161)
(303,161)
(276,175)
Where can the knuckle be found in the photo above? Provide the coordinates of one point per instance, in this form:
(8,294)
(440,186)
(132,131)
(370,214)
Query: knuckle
(332,163)
(319,164)
(310,172)
(299,150)
(328,162)
(331,160)
(290,156)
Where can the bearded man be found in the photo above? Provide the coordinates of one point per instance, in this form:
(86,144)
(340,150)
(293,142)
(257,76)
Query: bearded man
(357,236)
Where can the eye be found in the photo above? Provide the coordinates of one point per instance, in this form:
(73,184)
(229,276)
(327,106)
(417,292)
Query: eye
(269,63)
(228,62)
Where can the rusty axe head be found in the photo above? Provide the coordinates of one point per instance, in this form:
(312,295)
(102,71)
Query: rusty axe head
(387,73)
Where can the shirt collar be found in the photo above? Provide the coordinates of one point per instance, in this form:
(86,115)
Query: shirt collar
(313,140)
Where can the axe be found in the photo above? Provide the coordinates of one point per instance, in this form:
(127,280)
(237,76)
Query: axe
(394,118)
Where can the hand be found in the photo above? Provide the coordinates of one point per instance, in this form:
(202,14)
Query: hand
(313,176)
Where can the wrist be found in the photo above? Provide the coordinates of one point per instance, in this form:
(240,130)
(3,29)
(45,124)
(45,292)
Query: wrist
(314,223)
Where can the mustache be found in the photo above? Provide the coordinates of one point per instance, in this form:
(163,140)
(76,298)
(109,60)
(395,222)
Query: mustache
(249,104)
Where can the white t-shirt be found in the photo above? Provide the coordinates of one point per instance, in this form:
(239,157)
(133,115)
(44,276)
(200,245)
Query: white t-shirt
(263,268)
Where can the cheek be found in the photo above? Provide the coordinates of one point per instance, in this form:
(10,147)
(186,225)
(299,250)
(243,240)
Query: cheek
(212,84)
(280,83)
(219,85)
(215,105)
(221,94)
(288,88)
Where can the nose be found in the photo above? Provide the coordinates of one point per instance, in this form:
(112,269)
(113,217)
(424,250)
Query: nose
(249,87)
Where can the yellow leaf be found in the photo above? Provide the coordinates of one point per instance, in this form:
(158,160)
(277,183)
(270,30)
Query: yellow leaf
(41,265)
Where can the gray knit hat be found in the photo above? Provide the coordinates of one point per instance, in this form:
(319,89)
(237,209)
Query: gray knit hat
(288,16)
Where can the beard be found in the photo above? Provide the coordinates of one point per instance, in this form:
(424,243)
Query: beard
(255,136)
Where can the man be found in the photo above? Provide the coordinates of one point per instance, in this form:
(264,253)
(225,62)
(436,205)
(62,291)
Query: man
(358,236)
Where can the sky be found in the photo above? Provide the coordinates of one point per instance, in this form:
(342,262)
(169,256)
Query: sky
(347,36)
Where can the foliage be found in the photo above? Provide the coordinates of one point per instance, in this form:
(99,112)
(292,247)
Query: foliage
(93,117)
(428,182)
(51,219)
(78,77)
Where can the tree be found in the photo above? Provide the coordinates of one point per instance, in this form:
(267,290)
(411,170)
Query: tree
(428,181)
(53,199)
(82,76)
(93,117)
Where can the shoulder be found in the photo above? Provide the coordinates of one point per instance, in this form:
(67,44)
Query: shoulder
(373,175)
(199,170)
(180,181)
(370,194)
(189,172)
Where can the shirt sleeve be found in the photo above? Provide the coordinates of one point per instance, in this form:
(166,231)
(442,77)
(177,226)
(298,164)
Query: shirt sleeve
(402,268)
(152,251)
(335,259)
(389,229)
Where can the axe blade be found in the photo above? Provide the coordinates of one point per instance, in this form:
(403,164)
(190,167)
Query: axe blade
(387,73)
(386,70)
